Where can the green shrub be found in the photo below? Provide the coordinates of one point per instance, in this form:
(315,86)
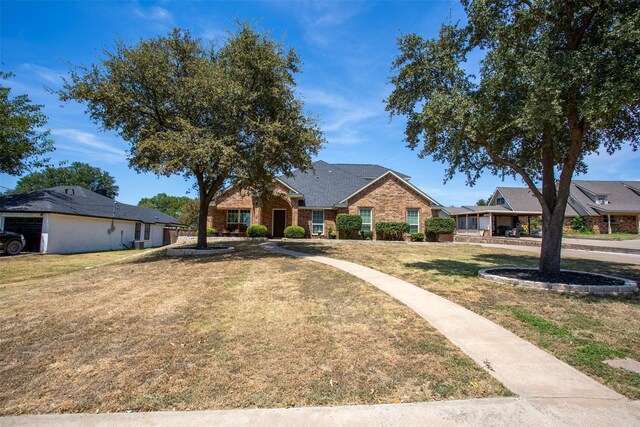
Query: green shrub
(578,224)
(367,235)
(257,231)
(391,230)
(294,232)
(417,237)
(348,225)
(210,231)
(437,225)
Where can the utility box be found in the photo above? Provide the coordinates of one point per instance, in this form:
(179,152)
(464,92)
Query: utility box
(137,244)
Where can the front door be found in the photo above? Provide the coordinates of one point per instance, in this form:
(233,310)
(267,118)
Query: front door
(279,217)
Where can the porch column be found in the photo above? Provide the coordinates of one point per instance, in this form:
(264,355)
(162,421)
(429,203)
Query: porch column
(490,224)
(638,223)
(529,224)
(466,224)
(478,231)
(609,223)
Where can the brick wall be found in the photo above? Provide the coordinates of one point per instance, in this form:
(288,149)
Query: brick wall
(304,221)
(389,199)
(624,223)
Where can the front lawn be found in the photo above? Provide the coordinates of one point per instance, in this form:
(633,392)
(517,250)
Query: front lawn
(248,329)
(582,331)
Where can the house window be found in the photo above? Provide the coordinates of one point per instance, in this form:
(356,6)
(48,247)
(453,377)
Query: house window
(462,223)
(317,222)
(238,219)
(602,200)
(147,231)
(413,219)
(500,201)
(473,223)
(365,214)
(136,236)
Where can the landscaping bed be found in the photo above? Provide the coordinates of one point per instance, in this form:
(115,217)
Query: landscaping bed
(581,330)
(240,330)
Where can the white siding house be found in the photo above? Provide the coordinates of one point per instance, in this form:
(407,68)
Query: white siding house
(73,219)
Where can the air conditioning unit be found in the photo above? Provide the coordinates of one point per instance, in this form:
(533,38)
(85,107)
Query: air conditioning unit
(137,244)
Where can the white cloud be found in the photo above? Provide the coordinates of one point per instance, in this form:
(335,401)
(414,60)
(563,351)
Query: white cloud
(46,74)
(343,120)
(155,13)
(88,144)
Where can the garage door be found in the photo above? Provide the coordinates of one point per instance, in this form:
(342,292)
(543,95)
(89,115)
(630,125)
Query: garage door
(30,228)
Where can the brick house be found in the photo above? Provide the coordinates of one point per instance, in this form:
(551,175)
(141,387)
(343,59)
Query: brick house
(312,200)
(606,206)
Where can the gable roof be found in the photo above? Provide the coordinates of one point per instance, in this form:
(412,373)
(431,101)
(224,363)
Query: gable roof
(75,200)
(621,196)
(328,185)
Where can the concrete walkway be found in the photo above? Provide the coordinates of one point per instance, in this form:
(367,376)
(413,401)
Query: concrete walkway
(473,412)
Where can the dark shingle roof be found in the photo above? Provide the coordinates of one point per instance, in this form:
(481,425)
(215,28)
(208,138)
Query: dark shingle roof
(330,184)
(74,200)
(523,200)
(621,196)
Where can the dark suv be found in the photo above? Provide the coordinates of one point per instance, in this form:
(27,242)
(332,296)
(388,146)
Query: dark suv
(11,243)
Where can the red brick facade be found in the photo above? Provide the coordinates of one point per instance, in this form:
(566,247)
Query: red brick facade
(388,198)
(619,224)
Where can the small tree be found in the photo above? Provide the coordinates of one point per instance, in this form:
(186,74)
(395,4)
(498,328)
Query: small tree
(559,81)
(22,143)
(348,225)
(220,116)
(77,173)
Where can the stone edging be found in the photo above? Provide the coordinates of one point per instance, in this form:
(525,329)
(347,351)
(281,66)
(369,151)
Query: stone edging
(197,252)
(629,286)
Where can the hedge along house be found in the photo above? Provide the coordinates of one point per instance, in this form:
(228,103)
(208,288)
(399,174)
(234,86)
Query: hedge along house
(313,199)
(72,219)
(606,206)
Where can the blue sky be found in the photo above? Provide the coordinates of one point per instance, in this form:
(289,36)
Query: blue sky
(346,48)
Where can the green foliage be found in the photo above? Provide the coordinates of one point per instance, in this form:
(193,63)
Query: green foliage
(294,232)
(210,231)
(348,225)
(559,80)
(391,230)
(332,232)
(436,225)
(22,142)
(578,224)
(482,202)
(176,206)
(257,231)
(223,114)
(417,237)
(367,235)
(77,173)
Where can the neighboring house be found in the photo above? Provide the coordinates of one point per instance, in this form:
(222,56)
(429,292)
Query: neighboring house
(312,200)
(72,219)
(607,206)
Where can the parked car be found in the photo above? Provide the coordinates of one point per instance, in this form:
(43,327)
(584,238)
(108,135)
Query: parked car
(11,243)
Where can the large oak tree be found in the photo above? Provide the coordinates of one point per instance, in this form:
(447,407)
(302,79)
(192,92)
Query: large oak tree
(223,116)
(559,80)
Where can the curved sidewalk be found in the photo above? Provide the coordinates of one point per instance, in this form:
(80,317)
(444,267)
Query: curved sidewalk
(521,366)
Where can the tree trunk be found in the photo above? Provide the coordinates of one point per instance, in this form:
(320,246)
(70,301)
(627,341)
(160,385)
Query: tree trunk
(202,221)
(550,252)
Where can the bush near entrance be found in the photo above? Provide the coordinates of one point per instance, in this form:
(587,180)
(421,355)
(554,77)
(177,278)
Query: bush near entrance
(434,227)
(294,232)
(348,225)
(391,230)
(257,231)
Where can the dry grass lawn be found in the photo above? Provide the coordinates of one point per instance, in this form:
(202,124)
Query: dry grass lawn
(582,331)
(248,329)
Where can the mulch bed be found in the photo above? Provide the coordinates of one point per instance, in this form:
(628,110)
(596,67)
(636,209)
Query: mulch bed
(566,277)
